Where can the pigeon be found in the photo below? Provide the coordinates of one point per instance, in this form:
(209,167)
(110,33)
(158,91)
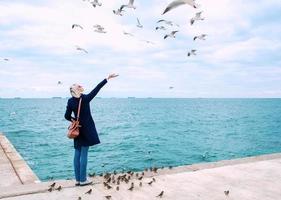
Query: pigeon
(79,198)
(76,26)
(139,25)
(96,3)
(117,188)
(172,35)
(89,192)
(192,52)
(59,188)
(6,59)
(59,83)
(150,183)
(118,11)
(108,197)
(177,3)
(200,37)
(50,189)
(171,88)
(161,194)
(196,18)
(129,34)
(132,187)
(129,5)
(226,192)
(160,28)
(140,184)
(53,185)
(81,49)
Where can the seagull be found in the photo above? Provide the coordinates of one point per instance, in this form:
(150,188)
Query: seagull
(76,25)
(148,42)
(98,26)
(171,88)
(166,22)
(130,5)
(6,59)
(160,28)
(118,11)
(200,37)
(172,34)
(192,52)
(196,18)
(81,49)
(139,24)
(100,30)
(96,3)
(126,33)
(177,3)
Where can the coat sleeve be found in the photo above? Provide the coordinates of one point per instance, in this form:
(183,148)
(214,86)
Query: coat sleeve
(95,91)
(68,113)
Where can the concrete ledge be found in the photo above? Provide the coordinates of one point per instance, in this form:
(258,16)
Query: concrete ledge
(41,188)
(20,167)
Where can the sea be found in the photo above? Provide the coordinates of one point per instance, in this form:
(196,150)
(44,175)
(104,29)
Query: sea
(138,133)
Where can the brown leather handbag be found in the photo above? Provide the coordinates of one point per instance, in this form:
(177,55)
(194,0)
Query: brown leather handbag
(73,129)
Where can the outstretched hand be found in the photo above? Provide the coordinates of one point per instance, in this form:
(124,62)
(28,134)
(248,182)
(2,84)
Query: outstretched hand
(112,76)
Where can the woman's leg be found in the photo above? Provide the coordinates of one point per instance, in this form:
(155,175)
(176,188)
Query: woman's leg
(76,162)
(83,164)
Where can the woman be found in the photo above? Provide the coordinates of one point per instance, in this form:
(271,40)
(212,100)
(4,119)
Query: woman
(88,134)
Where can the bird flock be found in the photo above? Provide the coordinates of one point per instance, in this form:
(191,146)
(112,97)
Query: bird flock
(161,24)
(125,181)
(129,180)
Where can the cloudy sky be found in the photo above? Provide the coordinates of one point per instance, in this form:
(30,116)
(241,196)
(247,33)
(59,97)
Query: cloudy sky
(240,58)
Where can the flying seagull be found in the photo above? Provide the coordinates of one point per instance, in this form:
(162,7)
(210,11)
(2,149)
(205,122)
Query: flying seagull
(129,5)
(118,11)
(171,87)
(177,3)
(96,3)
(98,26)
(100,30)
(160,28)
(148,42)
(76,25)
(196,18)
(139,24)
(6,59)
(81,49)
(172,35)
(200,37)
(192,52)
(166,22)
(129,34)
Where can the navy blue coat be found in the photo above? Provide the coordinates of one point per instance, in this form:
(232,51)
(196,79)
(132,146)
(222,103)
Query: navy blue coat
(88,134)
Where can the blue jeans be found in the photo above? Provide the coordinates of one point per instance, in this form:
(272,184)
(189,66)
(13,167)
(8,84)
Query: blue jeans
(80,163)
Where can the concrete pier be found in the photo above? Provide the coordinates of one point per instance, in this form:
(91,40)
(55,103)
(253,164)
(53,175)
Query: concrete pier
(253,178)
(13,169)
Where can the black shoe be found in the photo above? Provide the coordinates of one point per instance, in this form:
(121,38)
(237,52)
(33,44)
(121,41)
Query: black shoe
(86,183)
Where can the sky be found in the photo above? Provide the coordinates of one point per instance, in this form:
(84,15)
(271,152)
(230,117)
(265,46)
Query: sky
(241,57)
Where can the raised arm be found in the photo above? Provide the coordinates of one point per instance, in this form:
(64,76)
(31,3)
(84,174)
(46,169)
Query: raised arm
(95,91)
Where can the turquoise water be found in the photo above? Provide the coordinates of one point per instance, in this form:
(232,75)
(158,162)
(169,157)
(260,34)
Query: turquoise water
(139,133)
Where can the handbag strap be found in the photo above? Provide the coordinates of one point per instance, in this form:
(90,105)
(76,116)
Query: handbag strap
(79,107)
